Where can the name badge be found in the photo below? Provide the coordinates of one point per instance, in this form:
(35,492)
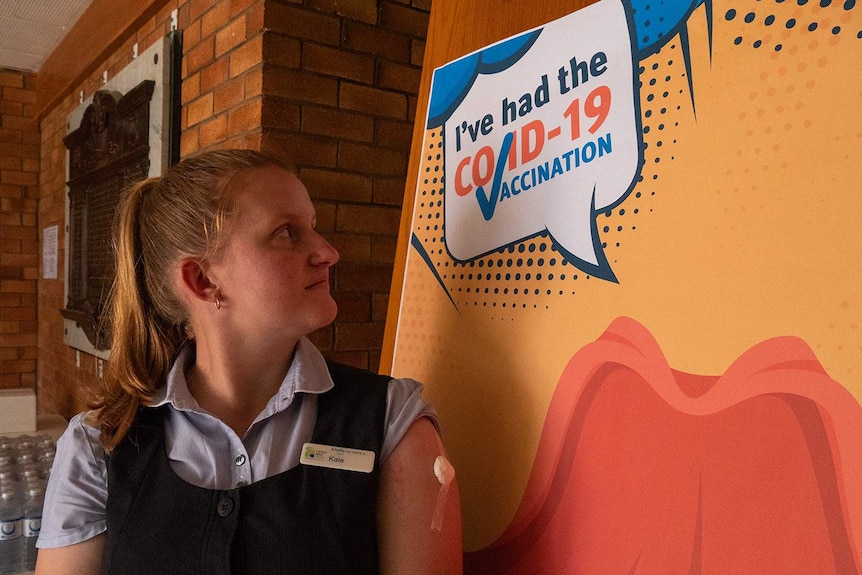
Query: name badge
(337,457)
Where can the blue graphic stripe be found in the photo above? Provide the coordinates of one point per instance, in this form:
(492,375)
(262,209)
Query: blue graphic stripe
(686,56)
(417,245)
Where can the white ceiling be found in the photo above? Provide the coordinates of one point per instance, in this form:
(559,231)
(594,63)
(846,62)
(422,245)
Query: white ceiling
(31,29)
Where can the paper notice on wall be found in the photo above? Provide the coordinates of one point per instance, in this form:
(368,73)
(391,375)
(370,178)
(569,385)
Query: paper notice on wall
(49,253)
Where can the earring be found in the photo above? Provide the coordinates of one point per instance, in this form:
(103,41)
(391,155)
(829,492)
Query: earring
(218,303)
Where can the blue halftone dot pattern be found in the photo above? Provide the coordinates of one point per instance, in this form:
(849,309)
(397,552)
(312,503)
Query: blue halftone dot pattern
(780,12)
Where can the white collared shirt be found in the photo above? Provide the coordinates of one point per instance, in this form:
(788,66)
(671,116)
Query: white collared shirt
(204,451)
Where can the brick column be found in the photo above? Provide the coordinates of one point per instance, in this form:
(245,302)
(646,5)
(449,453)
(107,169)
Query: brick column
(340,85)
(19,239)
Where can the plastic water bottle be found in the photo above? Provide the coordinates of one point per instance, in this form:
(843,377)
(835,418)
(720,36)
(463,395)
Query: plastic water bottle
(25,462)
(8,474)
(33,501)
(11,541)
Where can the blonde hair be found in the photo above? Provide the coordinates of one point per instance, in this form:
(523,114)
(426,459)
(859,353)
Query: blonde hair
(160,221)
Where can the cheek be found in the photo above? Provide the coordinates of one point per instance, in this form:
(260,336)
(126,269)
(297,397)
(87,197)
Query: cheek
(281,277)
(268,278)
(257,269)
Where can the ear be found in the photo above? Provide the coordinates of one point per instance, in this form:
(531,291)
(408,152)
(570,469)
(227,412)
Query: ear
(195,282)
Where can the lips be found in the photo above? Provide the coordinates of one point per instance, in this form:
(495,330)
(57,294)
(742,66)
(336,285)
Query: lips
(324,282)
(642,468)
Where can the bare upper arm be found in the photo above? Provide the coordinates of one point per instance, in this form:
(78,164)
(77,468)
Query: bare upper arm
(84,558)
(408,496)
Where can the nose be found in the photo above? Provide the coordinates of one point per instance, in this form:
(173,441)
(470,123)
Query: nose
(324,254)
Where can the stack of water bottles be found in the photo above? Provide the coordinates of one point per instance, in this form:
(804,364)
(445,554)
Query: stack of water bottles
(25,462)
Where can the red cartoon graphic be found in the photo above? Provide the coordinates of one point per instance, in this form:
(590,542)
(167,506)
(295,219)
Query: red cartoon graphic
(644,469)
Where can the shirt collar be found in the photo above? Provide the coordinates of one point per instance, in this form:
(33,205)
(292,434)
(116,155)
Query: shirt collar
(308,373)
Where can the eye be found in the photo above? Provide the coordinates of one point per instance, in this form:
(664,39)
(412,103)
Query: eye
(285,230)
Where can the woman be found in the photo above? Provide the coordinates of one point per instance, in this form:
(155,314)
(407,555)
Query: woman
(199,454)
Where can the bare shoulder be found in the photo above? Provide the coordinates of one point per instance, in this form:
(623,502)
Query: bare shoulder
(419,517)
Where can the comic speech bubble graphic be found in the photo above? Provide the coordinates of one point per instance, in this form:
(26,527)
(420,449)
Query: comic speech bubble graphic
(541,133)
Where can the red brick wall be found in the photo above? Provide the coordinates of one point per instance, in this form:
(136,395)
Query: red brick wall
(19,238)
(332,87)
(222,75)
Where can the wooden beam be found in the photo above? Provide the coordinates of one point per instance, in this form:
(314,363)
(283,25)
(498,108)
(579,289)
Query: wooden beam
(99,31)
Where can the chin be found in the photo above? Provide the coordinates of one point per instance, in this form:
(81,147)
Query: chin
(328,316)
(331,317)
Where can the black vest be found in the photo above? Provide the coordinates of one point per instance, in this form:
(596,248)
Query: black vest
(307,520)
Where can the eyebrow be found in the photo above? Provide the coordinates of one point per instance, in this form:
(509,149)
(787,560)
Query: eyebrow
(294,216)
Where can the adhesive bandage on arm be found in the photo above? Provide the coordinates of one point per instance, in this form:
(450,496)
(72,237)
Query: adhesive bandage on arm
(445,475)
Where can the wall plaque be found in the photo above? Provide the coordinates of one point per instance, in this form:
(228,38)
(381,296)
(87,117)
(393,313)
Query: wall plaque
(120,135)
(109,151)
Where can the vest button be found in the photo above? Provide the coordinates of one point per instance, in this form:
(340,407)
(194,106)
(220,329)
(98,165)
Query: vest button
(225,507)
(240,459)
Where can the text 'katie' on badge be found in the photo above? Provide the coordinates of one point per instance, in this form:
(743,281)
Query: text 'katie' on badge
(337,457)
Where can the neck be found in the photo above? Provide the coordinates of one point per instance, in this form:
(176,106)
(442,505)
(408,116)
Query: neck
(234,383)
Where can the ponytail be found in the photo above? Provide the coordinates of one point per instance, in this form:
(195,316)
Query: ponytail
(142,345)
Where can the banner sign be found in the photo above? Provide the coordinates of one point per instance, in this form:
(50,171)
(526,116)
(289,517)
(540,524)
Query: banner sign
(633,288)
